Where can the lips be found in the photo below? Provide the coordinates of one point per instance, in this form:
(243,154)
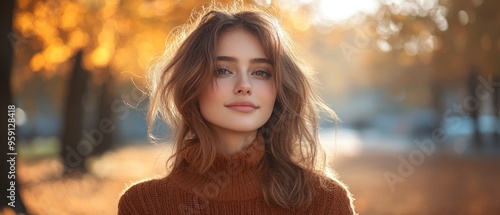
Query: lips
(242,106)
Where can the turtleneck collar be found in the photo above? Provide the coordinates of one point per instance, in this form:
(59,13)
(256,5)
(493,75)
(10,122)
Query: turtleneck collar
(231,177)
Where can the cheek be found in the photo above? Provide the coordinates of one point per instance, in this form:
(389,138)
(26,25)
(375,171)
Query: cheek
(210,96)
(271,91)
(268,94)
(206,98)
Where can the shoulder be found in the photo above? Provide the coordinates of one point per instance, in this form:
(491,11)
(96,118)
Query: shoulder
(335,194)
(138,198)
(142,188)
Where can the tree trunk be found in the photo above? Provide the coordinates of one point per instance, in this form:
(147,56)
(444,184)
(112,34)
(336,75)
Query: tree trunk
(105,125)
(496,107)
(474,113)
(73,152)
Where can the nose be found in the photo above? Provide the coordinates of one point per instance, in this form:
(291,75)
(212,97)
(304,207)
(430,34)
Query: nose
(243,87)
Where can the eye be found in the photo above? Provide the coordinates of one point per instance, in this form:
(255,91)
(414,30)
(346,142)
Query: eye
(262,73)
(222,72)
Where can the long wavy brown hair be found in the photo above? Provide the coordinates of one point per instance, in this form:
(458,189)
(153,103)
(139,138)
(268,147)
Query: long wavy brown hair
(294,160)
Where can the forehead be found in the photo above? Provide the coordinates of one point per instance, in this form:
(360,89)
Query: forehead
(239,43)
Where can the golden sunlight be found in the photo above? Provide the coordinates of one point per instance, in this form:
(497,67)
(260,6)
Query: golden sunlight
(339,11)
(100,56)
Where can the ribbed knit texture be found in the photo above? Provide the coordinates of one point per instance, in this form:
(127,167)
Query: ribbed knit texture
(231,186)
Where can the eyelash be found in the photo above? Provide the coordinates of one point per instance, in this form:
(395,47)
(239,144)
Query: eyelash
(265,74)
(221,69)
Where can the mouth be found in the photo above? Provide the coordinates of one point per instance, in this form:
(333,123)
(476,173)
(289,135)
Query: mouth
(242,106)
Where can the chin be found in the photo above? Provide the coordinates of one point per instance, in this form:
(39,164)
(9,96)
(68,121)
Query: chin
(239,127)
(244,129)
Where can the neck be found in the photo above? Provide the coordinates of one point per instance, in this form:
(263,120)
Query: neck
(234,178)
(231,142)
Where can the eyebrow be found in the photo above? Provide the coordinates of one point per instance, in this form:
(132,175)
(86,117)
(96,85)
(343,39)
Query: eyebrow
(253,60)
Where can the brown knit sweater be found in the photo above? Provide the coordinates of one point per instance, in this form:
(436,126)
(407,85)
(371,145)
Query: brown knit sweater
(231,186)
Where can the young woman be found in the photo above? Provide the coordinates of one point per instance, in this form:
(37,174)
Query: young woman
(245,116)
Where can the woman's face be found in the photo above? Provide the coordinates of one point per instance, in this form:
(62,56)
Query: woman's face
(242,96)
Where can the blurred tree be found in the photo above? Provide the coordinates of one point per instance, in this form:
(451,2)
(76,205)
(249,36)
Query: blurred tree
(106,121)
(476,25)
(472,84)
(73,150)
(442,40)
